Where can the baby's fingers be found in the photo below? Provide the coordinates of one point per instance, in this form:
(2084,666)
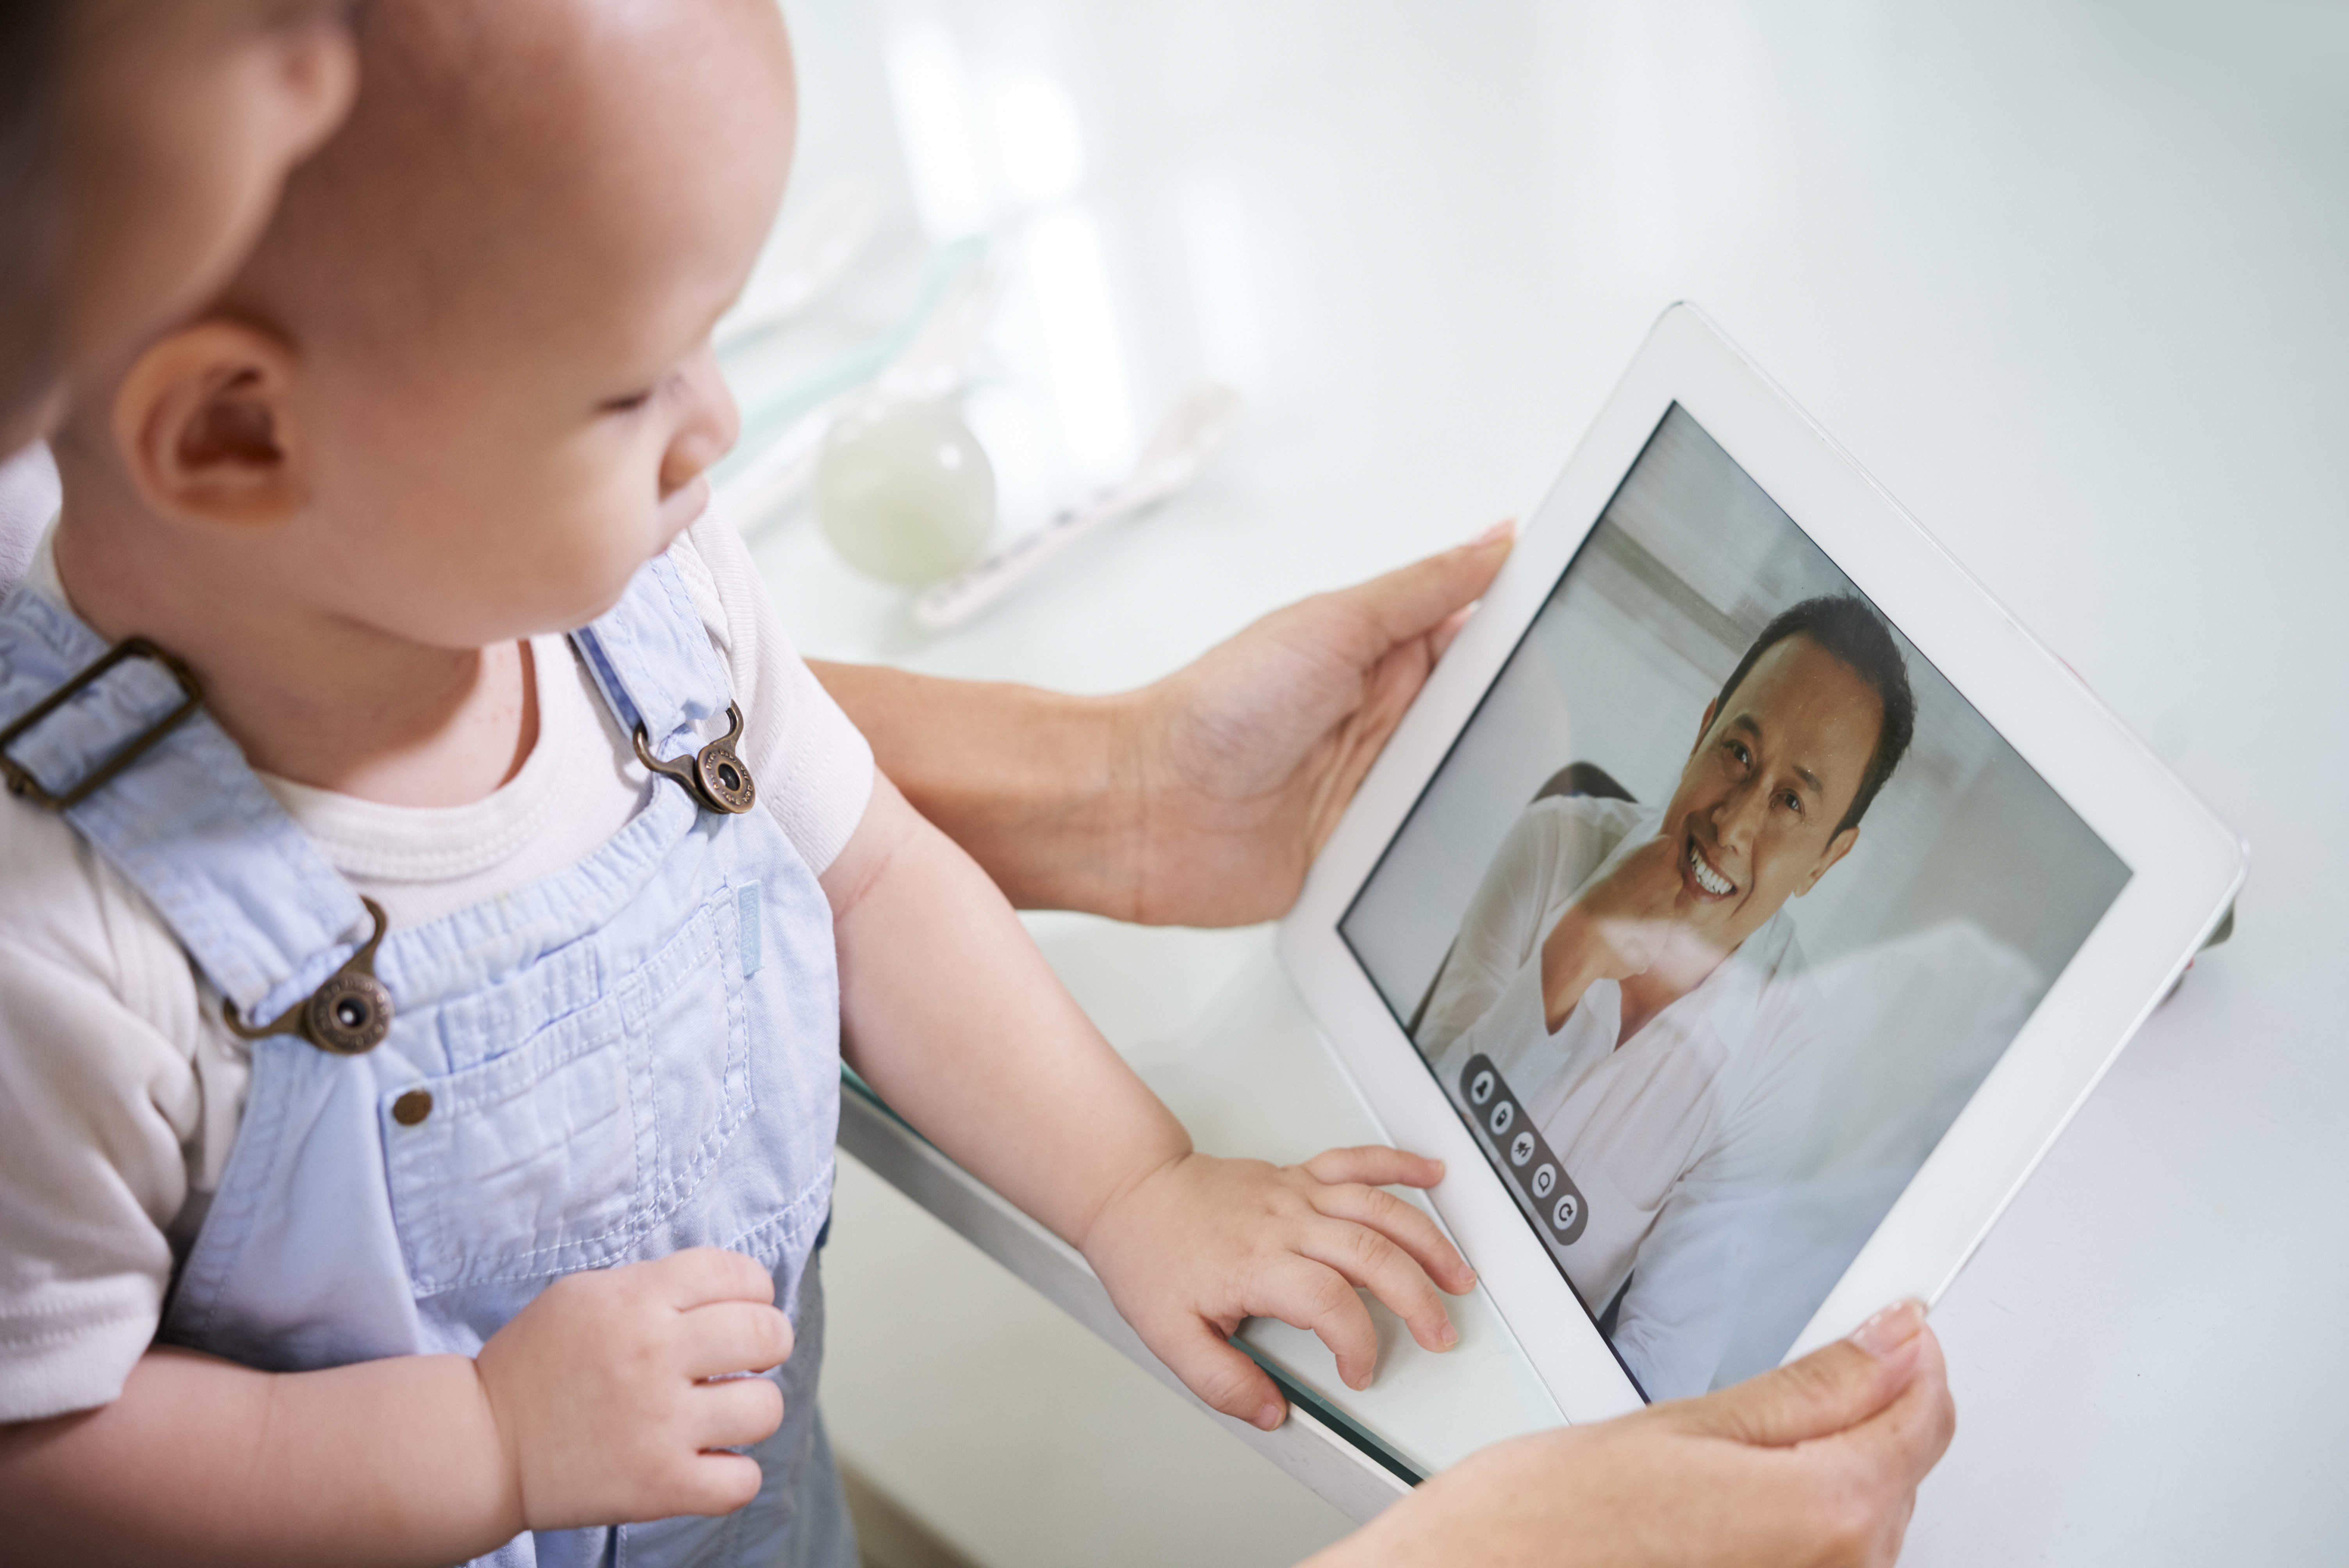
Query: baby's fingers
(699,1275)
(1372,1262)
(1376,1165)
(734,1336)
(1409,1228)
(1220,1374)
(713,1483)
(735,1413)
(1305,1292)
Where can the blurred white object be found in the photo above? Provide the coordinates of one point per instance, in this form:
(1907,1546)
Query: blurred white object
(28,500)
(933,366)
(1194,430)
(904,492)
(812,247)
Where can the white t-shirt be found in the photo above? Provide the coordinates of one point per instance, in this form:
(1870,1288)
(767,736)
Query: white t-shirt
(1680,1138)
(120,1090)
(28,499)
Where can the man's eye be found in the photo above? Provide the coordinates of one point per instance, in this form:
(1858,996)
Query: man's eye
(1793,801)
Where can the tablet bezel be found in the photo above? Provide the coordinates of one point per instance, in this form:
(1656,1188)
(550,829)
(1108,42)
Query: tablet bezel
(2186,866)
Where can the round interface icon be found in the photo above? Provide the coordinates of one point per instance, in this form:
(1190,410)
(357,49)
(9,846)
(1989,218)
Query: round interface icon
(1503,1114)
(1480,1087)
(1563,1216)
(1545,1178)
(1523,1149)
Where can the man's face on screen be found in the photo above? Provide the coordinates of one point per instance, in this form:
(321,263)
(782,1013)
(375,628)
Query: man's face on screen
(1773,773)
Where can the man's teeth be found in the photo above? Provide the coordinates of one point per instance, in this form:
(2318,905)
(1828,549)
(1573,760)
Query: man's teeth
(1712,880)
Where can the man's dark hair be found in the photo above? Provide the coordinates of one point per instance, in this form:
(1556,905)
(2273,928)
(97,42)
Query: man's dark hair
(1845,626)
(32,208)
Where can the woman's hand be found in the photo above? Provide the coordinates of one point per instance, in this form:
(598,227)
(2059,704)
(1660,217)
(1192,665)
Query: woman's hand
(1243,761)
(1813,1465)
(1199,801)
(1200,1243)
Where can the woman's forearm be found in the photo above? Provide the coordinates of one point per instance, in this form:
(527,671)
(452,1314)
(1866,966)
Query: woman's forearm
(199,1461)
(1030,783)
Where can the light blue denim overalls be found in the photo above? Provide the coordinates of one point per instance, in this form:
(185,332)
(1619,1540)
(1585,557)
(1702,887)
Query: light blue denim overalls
(638,1053)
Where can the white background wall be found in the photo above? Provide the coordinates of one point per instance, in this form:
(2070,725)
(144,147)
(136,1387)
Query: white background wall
(2062,273)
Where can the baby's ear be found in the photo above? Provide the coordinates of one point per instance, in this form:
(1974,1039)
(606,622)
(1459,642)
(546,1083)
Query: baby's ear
(207,424)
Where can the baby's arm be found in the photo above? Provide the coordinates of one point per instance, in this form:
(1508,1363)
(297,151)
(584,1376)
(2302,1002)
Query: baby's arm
(587,1409)
(951,1012)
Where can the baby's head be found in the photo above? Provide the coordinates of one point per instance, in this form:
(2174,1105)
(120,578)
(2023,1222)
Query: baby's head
(464,389)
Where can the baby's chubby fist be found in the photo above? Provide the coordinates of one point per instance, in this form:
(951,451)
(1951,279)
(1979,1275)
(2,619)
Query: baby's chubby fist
(1199,1244)
(602,1394)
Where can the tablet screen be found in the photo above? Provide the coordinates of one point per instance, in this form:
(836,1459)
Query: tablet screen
(1717,912)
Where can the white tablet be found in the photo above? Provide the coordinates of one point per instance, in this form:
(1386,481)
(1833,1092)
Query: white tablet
(1747,903)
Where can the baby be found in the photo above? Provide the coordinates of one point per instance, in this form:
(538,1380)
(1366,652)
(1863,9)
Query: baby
(420,1064)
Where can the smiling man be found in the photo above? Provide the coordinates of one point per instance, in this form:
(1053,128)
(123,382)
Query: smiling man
(1632,978)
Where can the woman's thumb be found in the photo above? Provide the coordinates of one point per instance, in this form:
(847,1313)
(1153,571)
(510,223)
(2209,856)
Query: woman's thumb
(1827,1391)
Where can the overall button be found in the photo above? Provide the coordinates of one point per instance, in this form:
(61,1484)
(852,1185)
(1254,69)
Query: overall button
(410,1108)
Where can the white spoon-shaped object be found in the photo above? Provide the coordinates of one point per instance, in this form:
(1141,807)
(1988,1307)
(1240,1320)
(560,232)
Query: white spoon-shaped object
(1193,430)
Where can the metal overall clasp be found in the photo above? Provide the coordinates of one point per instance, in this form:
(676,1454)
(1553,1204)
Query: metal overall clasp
(349,1015)
(716,776)
(20,780)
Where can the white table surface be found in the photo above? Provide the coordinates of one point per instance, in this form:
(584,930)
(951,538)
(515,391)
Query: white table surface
(2067,276)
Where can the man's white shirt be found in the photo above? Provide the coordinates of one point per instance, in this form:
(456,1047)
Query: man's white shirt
(1680,1138)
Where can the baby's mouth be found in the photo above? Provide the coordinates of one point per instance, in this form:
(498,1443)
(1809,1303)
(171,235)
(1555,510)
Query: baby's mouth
(1702,870)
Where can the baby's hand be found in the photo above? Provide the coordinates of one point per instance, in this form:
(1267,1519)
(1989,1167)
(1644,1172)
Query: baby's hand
(1201,1243)
(600,1396)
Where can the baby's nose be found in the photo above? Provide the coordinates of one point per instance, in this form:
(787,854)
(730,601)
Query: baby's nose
(711,424)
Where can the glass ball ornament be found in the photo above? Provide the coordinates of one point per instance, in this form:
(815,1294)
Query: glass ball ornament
(906,493)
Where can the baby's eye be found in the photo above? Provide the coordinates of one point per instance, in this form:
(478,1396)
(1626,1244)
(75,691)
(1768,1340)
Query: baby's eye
(630,403)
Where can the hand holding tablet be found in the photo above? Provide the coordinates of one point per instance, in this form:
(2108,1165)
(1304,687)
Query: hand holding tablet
(1745,902)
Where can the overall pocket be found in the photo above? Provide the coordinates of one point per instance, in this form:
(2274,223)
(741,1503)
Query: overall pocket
(565,1151)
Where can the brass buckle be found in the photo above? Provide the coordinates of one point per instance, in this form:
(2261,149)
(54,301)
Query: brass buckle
(20,780)
(717,775)
(347,1016)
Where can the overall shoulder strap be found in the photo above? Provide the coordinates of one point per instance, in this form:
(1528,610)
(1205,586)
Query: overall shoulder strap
(651,658)
(244,891)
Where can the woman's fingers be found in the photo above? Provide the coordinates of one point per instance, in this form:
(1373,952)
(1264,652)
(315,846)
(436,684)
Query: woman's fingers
(1882,1391)
(1409,1227)
(1902,1441)
(733,1336)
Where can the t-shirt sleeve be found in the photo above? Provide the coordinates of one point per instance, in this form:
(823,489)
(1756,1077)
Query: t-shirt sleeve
(813,767)
(97,1103)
